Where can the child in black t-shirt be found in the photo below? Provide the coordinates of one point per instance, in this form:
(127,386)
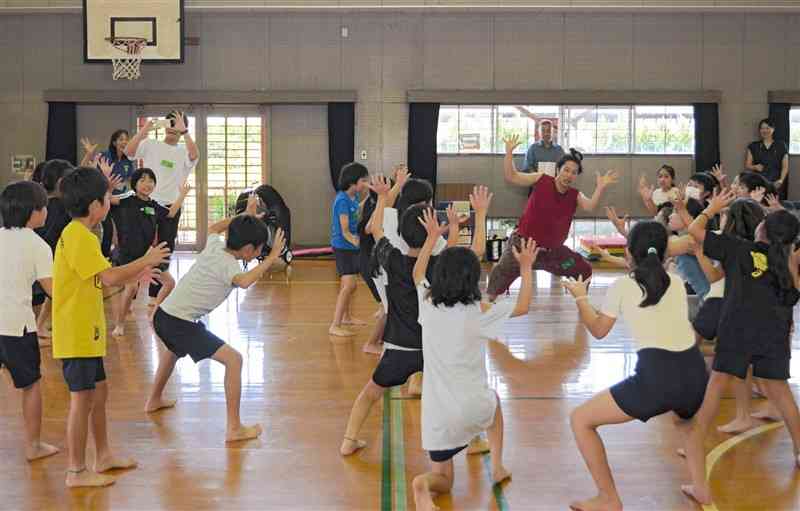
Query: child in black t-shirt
(402,355)
(761,289)
(137,217)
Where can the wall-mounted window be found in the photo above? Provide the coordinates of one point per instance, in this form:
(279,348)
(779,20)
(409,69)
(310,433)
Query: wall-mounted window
(794,130)
(592,129)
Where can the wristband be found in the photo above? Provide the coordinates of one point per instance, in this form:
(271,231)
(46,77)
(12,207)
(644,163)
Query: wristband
(708,217)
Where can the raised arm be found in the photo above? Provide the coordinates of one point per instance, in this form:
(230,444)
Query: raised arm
(191,147)
(510,172)
(252,209)
(646,193)
(133,271)
(453,226)
(620,223)
(178,204)
(89,152)
(718,202)
(248,278)
(480,199)
(598,324)
(133,144)
(379,185)
(526,257)
(603,182)
(401,178)
(433,229)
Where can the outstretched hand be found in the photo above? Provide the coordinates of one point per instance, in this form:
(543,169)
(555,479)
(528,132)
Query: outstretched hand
(88,146)
(511,142)
(619,222)
(527,253)
(253,202)
(609,178)
(720,201)
(480,199)
(278,244)
(577,288)
(379,184)
(431,223)
(401,175)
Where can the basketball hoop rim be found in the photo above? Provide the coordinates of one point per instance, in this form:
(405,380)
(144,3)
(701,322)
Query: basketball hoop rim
(126,43)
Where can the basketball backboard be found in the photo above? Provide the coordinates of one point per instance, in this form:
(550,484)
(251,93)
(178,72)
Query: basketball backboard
(161,22)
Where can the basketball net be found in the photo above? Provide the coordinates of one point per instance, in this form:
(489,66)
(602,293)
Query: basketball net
(128,62)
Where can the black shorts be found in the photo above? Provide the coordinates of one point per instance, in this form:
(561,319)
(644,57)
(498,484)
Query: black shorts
(665,381)
(346,262)
(363,266)
(21,356)
(442,456)
(736,363)
(83,373)
(183,337)
(38,294)
(707,319)
(396,366)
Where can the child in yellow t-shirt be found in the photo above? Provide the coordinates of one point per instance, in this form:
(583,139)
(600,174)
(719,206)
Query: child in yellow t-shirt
(79,328)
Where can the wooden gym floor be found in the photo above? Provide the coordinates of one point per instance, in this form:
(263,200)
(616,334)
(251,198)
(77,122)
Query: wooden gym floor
(300,386)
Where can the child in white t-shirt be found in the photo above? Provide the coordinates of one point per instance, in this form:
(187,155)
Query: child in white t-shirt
(670,372)
(457,403)
(210,280)
(26,259)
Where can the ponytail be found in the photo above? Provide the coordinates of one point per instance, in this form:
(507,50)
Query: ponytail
(781,229)
(647,244)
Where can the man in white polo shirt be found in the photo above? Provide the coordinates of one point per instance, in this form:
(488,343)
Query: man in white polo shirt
(171,164)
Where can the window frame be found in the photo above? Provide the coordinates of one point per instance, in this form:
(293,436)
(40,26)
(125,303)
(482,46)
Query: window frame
(795,108)
(563,130)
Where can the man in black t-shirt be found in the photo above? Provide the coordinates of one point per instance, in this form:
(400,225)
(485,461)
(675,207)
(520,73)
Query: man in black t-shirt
(769,157)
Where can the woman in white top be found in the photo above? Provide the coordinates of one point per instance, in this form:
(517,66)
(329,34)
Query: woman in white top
(670,373)
(457,403)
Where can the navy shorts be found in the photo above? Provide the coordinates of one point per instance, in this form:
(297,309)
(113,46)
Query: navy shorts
(707,319)
(665,381)
(183,337)
(83,373)
(442,456)
(346,262)
(21,356)
(396,367)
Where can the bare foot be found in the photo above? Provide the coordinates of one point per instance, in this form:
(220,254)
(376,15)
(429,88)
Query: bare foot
(598,503)
(500,474)
(478,446)
(114,463)
(119,331)
(340,332)
(353,322)
(243,433)
(351,446)
(701,497)
(159,404)
(375,348)
(681,452)
(738,425)
(87,478)
(768,413)
(422,495)
(40,450)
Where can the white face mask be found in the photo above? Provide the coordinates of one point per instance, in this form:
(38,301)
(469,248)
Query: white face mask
(693,193)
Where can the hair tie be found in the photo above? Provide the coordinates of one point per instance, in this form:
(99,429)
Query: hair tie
(652,250)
